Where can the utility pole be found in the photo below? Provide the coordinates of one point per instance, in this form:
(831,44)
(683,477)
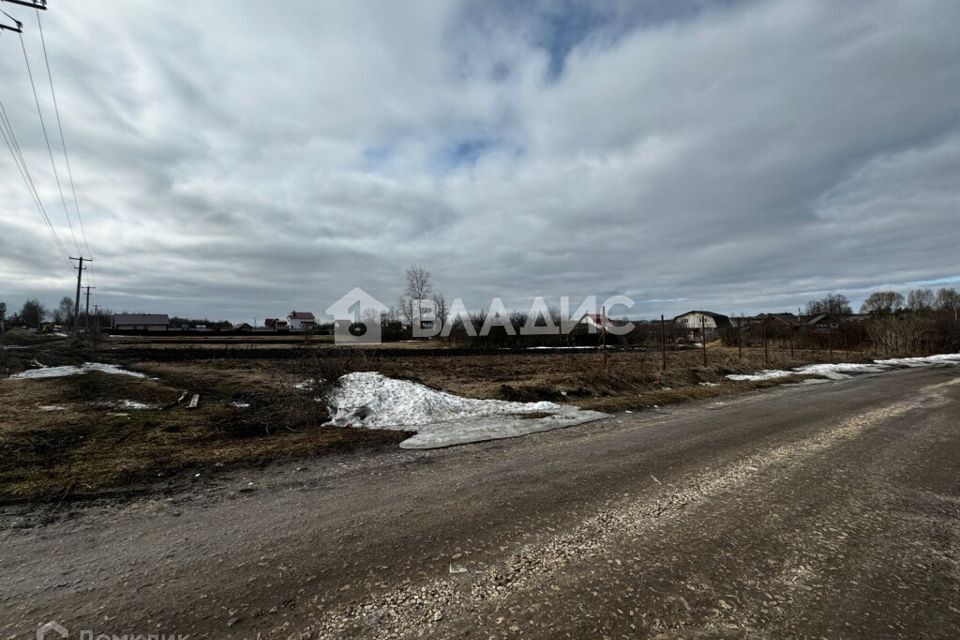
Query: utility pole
(33,4)
(86,310)
(76,301)
(663,342)
(17,25)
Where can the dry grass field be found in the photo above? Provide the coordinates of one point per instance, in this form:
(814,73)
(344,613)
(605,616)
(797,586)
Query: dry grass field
(84,435)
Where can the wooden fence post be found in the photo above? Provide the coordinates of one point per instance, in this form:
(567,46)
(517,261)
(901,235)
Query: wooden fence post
(703,338)
(663,343)
(740,337)
(766,352)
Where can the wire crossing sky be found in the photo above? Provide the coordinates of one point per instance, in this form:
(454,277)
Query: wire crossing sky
(734,156)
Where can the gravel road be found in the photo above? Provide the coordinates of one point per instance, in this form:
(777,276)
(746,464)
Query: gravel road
(820,511)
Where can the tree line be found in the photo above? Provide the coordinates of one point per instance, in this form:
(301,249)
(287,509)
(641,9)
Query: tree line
(34,314)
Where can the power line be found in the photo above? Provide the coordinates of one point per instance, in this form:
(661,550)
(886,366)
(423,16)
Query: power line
(6,128)
(53,163)
(63,143)
(30,189)
(63,140)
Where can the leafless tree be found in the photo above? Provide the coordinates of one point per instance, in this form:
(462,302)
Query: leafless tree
(442,310)
(948,299)
(882,302)
(64,312)
(418,287)
(835,304)
(920,300)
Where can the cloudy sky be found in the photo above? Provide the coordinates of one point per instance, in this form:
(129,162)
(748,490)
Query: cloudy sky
(240,159)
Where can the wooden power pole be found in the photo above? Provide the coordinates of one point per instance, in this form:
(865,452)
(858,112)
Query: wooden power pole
(76,301)
(86,310)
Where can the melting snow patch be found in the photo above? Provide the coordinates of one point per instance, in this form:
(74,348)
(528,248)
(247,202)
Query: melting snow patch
(127,404)
(766,374)
(945,359)
(841,370)
(837,371)
(51,407)
(373,401)
(240,405)
(87,367)
(134,404)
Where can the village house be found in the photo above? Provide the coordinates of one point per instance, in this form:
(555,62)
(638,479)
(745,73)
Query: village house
(140,322)
(597,323)
(276,324)
(699,325)
(301,320)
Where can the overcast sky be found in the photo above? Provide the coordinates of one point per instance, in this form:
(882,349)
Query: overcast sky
(241,159)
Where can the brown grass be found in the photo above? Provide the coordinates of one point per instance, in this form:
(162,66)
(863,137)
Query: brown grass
(93,444)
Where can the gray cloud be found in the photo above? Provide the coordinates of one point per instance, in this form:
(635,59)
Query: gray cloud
(739,156)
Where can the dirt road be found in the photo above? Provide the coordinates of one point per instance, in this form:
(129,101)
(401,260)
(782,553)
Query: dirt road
(821,511)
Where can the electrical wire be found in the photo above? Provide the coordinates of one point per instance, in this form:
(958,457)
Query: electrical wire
(66,155)
(63,140)
(6,129)
(53,163)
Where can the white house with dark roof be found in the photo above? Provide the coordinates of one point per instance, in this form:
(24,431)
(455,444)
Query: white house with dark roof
(301,320)
(695,325)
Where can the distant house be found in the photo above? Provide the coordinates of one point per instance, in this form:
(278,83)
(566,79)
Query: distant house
(823,323)
(301,320)
(597,323)
(276,324)
(140,322)
(787,318)
(246,327)
(697,325)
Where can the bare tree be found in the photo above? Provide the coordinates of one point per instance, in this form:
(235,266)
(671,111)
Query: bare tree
(920,300)
(948,299)
(835,304)
(440,304)
(882,302)
(64,312)
(418,288)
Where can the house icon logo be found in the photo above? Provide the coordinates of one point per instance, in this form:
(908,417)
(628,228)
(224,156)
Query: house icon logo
(356,318)
(52,631)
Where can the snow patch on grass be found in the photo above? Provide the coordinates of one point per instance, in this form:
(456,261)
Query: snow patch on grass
(135,405)
(841,370)
(69,370)
(373,401)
